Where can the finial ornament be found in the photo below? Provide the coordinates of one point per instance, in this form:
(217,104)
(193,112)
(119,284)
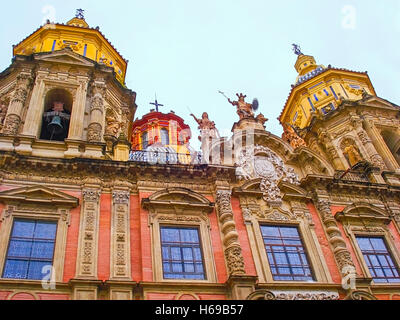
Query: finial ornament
(80,14)
(297,49)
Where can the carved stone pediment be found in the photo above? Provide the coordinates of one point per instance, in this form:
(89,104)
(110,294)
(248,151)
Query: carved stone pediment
(39,195)
(178,199)
(363,211)
(293,192)
(65,56)
(377,102)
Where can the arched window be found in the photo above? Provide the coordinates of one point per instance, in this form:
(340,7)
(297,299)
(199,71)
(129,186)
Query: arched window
(56,116)
(164,137)
(145,141)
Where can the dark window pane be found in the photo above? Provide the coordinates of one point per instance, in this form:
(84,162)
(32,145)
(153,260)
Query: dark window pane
(288,260)
(378,259)
(30,249)
(181,253)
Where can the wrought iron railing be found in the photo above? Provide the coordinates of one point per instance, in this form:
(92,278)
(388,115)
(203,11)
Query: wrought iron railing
(158,157)
(351,176)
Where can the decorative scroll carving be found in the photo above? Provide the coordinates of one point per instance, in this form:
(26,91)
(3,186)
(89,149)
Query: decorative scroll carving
(292,295)
(11,124)
(360,295)
(94,132)
(292,138)
(262,162)
(233,251)
(306,296)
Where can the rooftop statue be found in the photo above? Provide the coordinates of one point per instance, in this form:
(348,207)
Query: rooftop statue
(244,109)
(206,126)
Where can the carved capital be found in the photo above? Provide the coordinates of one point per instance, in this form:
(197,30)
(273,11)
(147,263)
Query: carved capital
(90,195)
(121,197)
(11,124)
(234,259)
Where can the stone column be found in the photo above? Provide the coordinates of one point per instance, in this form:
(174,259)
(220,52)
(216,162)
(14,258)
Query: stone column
(88,234)
(380,144)
(120,235)
(95,128)
(13,119)
(376,159)
(335,238)
(331,150)
(232,249)
(240,285)
(78,111)
(34,114)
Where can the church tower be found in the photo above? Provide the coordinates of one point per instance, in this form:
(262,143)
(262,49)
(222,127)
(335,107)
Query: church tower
(64,95)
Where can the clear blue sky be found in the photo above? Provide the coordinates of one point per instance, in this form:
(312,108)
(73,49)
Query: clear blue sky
(187,50)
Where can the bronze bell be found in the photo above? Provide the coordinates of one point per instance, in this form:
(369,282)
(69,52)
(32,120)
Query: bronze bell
(55,126)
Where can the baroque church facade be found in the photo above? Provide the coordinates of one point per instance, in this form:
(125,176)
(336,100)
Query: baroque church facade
(97,206)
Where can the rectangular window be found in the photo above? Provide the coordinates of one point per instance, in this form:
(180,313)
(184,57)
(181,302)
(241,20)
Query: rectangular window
(326,92)
(378,260)
(181,253)
(316,98)
(54,45)
(311,104)
(85,50)
(344,91)
(334,93)
(30,249)
(286,255)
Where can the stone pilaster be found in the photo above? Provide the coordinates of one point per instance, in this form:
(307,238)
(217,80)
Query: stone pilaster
(88,234)
(14,113)
(232,249)
(120,238)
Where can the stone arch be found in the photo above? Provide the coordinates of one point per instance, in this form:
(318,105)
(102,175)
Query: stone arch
(365,210)
(181,193)
(364,207)
(20,295)
(311,156)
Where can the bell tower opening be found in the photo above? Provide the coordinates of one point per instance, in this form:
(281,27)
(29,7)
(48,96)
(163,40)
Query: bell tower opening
(392,141)
(56,115)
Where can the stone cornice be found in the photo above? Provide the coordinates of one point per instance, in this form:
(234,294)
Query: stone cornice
(76,168)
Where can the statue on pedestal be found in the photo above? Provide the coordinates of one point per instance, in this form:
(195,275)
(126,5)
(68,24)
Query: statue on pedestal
(244,109)
(352,153)
(206,126)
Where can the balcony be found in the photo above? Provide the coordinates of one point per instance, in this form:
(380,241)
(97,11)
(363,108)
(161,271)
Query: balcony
(162,157)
